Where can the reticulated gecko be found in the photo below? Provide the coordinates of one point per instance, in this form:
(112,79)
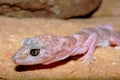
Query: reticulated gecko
(48,48)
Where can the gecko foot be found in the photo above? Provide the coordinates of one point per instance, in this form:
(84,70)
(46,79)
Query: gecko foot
(87,58)
(117,47)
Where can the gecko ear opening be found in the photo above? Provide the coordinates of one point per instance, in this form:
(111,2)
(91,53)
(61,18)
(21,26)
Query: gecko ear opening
(26,41)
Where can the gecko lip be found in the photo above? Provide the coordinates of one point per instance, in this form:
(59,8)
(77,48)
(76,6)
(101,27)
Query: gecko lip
(20,61)
(17,61)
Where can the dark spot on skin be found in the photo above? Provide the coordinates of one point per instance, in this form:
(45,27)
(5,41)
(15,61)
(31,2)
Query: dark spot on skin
(51,50)
(70,44)
(34,52)
(65,44)
(52,45)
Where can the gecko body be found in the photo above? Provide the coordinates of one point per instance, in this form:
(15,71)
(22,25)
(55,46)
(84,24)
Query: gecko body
(48,48)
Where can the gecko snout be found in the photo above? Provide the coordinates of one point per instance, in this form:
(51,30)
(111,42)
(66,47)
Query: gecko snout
(17,58)
(14,59)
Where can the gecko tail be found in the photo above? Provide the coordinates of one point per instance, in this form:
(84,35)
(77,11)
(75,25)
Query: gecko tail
(106,26)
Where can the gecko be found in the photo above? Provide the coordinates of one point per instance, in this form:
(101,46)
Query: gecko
(48,48)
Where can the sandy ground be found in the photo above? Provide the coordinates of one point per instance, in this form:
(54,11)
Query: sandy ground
(13,31)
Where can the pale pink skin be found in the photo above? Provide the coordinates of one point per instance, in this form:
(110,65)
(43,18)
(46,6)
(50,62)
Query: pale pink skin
(55,48)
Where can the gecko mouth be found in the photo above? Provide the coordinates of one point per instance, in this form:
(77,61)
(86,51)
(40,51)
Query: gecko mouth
(21,62)
(18,60)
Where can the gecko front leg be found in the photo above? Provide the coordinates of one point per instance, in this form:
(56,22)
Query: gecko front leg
(88,48)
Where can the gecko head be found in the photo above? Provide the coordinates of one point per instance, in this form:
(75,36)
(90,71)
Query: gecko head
(36,50)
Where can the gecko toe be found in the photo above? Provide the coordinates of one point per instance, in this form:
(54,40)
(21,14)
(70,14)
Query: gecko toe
(85,59)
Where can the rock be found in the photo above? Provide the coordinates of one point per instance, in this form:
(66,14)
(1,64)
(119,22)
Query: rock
(13,31)
(108,8)
(48,8)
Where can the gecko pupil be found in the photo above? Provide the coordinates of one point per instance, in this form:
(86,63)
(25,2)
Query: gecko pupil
(35,52)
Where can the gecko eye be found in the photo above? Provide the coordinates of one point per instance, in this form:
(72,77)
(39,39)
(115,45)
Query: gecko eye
(34,52)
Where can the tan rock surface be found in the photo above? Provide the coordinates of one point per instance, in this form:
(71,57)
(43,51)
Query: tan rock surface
(12,32)
(108,8)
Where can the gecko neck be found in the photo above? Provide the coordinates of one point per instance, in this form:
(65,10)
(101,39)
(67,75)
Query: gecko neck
(70,42)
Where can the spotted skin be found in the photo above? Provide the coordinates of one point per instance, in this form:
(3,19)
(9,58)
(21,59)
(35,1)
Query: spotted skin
(51,48)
